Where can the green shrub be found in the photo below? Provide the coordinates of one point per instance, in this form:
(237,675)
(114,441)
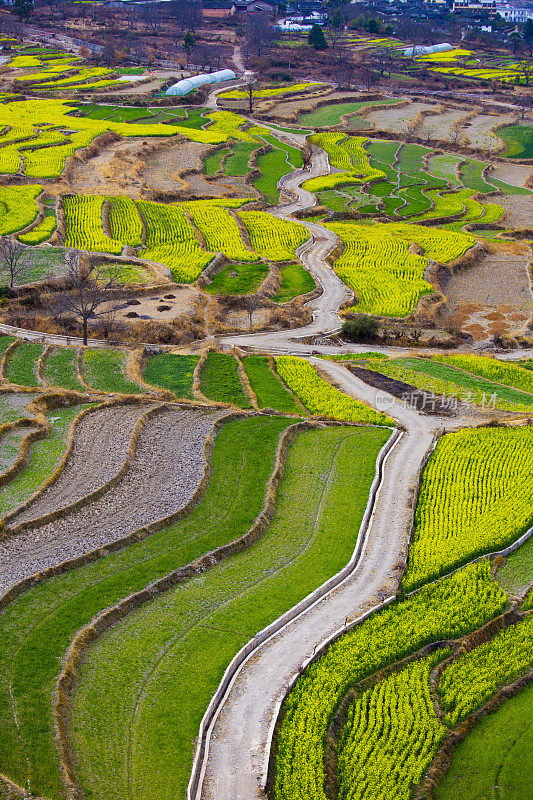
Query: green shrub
(362,328)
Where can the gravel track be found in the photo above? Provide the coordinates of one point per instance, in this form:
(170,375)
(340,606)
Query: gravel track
(164,474)
(92,462)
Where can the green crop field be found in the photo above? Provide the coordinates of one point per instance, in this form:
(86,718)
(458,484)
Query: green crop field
(60,369)
(171,371)
(295,280)
(267,387)
(21,364)
(105,371)
(238,279)
(519,141)
(332,113)
(220,381)
(496,758)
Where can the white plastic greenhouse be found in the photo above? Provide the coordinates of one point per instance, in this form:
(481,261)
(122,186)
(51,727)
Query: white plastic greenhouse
(419,50)
(188,84)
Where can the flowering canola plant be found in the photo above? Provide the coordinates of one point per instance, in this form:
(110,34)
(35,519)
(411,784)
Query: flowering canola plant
(320,397)
(444,610)
(468,682)
(476,497)
(391,735)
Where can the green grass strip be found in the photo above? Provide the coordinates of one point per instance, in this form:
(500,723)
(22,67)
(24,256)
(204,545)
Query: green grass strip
(471,174)
(268,388)
(171,371)
(21,364)
(295,281)
(106,370)
(220,380)
(236,164)
(516,573)
(5,341)
(37,628)
(167,659)
(332,113)
(496,758)
(60,369)
(519,140)
(213,163)
(238,279)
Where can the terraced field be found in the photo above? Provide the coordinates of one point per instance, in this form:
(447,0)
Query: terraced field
(337,560)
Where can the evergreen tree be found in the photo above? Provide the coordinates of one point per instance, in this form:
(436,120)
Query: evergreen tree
(317,39)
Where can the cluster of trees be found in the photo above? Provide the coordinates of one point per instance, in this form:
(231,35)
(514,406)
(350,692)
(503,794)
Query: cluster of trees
(86,297)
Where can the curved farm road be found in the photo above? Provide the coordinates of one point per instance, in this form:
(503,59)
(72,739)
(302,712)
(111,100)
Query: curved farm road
(313,254)
(238,747)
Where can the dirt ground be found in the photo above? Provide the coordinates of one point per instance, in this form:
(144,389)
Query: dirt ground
(515,174)
(164,167)
(479,131)
(519,210)
(398,120)
(161,306)
(494,296)
(441,126)
(116,170)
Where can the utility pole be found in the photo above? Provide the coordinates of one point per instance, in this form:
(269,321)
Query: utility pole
(250,94)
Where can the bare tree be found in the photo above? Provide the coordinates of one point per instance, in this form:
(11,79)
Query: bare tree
(253,302)
(89,285)
(186,13)
(368,76)
(259,33)
(207,56)
(334,36)
(344,73)
(152,18)
(13,259)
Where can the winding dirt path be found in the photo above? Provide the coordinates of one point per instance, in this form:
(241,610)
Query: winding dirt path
(239,739)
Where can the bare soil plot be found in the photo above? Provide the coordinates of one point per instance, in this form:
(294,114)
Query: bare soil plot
(164,474)
(443,126)
(515,174)
(519,210)
(162,306)
(493,296)
(479,131)
(398,120)
(115,170)
(163,174)
(92,461)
